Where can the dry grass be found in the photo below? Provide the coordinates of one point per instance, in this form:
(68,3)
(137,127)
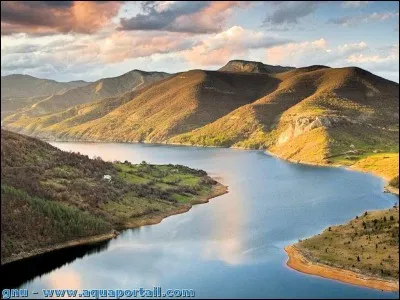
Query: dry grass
(248,110)
(368,244)
(385,165)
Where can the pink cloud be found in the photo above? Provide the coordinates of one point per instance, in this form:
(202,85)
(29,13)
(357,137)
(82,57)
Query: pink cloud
(46,17)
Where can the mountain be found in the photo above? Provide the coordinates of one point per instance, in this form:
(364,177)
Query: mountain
(19,90)
(252,67)
(176,105)
(316,114)
(18,85)
(51,198)
(103,88)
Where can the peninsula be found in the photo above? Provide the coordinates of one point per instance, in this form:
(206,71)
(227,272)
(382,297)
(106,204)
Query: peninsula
(364,252)
(53,199)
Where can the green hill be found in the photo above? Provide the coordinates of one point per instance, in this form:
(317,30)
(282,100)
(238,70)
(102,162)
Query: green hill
(50,197)
(367,245)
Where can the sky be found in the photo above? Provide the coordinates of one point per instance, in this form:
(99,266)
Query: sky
(78,40)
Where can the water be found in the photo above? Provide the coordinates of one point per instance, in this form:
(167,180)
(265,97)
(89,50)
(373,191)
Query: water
(230,247)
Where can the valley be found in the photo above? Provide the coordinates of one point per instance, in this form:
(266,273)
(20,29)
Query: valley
(316,115)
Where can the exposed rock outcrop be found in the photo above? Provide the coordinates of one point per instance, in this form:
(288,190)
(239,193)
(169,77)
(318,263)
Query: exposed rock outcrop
(304,124)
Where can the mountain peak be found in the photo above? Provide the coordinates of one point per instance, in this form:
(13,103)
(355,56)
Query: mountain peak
(246,66)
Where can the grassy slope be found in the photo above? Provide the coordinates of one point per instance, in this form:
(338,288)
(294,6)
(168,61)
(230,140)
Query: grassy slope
(17,85)
(179,104)
(103,88)
(53,124)
(368,244)
(360,107)
(314,115)
(18,91)
(49,196)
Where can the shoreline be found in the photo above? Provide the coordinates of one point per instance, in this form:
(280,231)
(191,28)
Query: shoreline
(299,262)
(386,188)
(296,260)
(72,243)
(218,190)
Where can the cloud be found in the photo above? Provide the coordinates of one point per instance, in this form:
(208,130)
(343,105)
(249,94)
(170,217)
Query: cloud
(295,53)
(391,56)
(235,41)
(76,53)
(351,48)
(384,62)
(50,17)
(312,52)
(121,45)
(290,12)
(365,18)
(182,16)
(381,61)
(355,4)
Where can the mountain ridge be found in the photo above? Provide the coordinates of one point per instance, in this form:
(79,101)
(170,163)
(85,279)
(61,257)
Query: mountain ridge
(247,66)
(100,89)
(314,114)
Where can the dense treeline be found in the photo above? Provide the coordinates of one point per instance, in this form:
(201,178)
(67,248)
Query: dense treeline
(52,196)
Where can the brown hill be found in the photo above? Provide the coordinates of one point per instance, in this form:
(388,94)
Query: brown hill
(252,67)
(19,90)
(178,104)
(314,114)
(103,88)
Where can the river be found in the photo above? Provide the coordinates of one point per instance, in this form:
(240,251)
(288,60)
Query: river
(230,247)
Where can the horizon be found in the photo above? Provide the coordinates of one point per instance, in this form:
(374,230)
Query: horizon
(154,71)
(91,40)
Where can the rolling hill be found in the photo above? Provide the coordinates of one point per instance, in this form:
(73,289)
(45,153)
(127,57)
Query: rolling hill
(103,88)
(316,114)
(19,90)
(176,105)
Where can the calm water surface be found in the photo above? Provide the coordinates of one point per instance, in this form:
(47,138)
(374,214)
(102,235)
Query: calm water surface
(230,247)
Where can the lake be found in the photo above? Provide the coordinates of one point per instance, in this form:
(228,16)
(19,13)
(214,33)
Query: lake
(230,247)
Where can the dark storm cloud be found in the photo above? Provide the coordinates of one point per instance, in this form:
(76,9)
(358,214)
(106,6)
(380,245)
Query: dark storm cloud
(49,17)
(180,16)
(289,12)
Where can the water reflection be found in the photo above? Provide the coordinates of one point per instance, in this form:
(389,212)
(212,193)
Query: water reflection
(65,279)
(233,246)
(227,233)
(23,271)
